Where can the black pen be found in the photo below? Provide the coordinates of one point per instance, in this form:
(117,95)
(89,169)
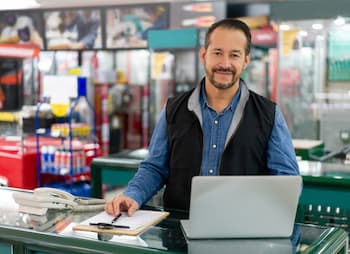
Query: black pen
(116,218)
(102,225)
(120,226)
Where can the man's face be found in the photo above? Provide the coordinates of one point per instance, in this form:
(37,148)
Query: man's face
(224,60)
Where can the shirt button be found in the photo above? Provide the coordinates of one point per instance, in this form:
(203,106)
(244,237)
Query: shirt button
(216,121)
(211,171)
(214,146)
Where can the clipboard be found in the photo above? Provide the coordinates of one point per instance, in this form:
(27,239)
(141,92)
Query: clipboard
(140,221)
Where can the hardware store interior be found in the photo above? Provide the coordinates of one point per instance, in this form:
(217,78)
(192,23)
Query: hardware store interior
(79,105)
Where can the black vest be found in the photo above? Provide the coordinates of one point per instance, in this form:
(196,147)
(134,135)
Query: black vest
(245,153)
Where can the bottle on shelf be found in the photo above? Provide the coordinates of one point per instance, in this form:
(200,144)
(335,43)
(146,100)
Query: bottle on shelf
(81,122)
(81,111)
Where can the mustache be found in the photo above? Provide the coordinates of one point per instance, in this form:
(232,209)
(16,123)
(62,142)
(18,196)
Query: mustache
(224,70)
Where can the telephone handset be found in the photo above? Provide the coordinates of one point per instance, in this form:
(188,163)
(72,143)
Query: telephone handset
(56,195)
(53,192)
(43,198)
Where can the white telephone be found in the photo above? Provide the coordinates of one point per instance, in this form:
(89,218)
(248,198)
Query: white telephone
(44,198)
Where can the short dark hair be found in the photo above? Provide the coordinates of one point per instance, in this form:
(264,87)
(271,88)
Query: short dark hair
(230,23)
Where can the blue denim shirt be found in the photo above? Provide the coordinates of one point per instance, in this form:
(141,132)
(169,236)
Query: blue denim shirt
(153,171)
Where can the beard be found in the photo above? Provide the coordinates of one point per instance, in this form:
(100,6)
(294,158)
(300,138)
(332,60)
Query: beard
(221,85)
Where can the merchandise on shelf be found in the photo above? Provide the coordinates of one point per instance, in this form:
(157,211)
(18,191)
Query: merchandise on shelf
(67,148)
(78,130)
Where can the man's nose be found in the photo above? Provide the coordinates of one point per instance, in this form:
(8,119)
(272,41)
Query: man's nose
(225,61)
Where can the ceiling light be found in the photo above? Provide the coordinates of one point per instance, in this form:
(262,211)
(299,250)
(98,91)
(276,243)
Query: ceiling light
(339,21)
(317,26)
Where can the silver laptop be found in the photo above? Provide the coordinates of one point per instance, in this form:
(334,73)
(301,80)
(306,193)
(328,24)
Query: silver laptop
(242,206)
(242,246)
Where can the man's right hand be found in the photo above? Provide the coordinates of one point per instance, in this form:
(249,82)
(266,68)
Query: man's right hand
(121,203)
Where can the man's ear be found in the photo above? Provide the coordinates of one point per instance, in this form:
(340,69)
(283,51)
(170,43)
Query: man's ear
(247,61)
(202,53)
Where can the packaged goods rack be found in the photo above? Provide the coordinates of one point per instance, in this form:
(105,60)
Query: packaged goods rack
(65,150)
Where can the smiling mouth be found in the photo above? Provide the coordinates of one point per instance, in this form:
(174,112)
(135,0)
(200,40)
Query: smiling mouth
(226,73)
(223,71)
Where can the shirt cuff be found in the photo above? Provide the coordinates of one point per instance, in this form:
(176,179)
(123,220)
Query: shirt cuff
(134,196)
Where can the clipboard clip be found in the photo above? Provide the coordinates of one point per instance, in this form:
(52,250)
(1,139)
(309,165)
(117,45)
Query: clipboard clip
(104,225)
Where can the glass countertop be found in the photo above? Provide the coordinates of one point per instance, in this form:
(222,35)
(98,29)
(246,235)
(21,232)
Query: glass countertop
(323,169)
(165,237)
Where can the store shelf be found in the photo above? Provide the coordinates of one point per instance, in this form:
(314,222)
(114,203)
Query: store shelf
(63,162)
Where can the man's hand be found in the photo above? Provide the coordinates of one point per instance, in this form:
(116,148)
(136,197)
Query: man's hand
(121,203)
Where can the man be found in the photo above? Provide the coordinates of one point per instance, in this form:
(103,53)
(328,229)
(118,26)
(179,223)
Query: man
(219,128)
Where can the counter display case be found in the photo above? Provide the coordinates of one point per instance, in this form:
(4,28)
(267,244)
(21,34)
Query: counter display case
(325,197)
(52,234)
(116,169)
(324,200)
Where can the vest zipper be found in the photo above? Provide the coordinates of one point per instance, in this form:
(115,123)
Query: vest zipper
(233,134)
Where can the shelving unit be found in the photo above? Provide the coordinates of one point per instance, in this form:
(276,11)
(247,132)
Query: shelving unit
(10,123)
(174,66)
(18,89)
(64,151)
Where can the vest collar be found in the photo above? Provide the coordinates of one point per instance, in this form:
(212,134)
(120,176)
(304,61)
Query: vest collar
(238,112)
(194,105)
